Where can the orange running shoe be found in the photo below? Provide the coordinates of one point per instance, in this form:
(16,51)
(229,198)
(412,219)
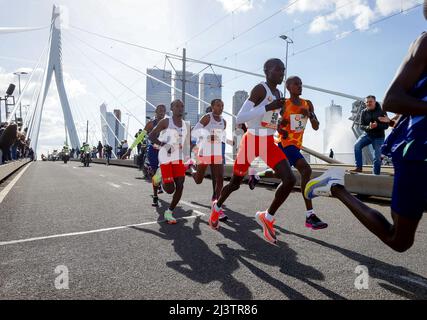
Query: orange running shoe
(214,218)
(267,227)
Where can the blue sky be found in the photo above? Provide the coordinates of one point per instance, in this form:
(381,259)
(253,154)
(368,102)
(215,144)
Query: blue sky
(361,63)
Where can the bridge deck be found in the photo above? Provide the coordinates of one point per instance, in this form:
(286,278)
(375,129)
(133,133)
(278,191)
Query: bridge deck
(79,217)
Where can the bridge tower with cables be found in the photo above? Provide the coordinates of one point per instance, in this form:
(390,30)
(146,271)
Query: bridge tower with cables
(54,66)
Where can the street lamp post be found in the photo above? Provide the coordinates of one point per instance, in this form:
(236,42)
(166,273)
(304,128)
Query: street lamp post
(288,41)
(19,74)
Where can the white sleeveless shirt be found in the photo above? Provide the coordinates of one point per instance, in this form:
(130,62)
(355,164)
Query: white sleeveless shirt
(176,137)
(216,128)
(265,125)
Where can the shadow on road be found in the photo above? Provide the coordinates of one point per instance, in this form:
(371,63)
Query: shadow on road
(202,265)
(400,281)
(247,233)
(198,262)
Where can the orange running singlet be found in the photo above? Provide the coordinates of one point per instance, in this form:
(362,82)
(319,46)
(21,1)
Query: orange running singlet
(295,123)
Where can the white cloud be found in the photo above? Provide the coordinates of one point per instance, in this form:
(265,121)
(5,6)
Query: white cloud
(361,12)
(386,7)
(321,24)
(236,5)
(310,5)
(364,17)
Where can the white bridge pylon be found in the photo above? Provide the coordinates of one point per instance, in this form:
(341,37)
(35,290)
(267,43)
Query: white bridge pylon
(54,65)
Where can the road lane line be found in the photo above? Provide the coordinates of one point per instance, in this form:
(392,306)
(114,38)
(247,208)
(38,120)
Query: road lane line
(55,236)
(4,243)
(114,185)
(9,187)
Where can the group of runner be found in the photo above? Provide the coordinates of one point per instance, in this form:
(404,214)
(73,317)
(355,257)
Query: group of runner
(274,132)
(169,137)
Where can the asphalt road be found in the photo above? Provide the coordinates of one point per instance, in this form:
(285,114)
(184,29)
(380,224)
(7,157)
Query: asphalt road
(96,226)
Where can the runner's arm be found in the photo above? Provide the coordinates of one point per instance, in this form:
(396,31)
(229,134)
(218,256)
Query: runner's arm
(312,116)
(398,98)
(250,111)
(154,134)
(198,131)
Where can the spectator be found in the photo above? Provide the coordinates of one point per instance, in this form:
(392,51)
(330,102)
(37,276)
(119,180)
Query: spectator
(107,152)
(374,134)
(125,147)
(119,150)
(331,154)
(8,137)
(94,152)
(139,145)
(100,149)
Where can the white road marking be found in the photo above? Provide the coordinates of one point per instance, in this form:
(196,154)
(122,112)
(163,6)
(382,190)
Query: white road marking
(114,185)
(102,175)
(127,183)
(9,187)
(5,243)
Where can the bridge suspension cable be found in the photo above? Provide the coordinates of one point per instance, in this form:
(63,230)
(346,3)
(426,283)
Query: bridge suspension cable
(143,73)
(110,93)
(23,91)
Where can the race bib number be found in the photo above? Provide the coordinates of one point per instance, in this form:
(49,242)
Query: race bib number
(217,134)
(298,122)
(270,119)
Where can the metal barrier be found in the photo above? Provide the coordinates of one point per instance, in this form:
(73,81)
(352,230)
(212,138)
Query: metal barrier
(361,183)
(8,169)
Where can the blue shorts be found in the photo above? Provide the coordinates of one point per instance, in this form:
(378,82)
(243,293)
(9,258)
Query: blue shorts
(292,153)
(409,198)
(153,157)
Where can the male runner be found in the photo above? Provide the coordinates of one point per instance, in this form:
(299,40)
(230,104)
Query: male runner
(210,132)
(407,145)
(261,112)
(171,154)
(291,130)
(152,151)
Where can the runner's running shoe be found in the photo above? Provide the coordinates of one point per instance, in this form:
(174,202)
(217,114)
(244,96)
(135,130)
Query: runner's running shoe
(267,227)
(321,186)
(222,216)
(253,181)
(214,218)
(169,217)
(190,164)
(313,222)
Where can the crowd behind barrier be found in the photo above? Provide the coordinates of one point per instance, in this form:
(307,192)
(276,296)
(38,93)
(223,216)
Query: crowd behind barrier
(14,144)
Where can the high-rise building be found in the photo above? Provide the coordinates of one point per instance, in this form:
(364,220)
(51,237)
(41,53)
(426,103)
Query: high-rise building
(210,88)
(104,127)
(191,87)
(238,99)
(333,116)
(111,128)
(156,92)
